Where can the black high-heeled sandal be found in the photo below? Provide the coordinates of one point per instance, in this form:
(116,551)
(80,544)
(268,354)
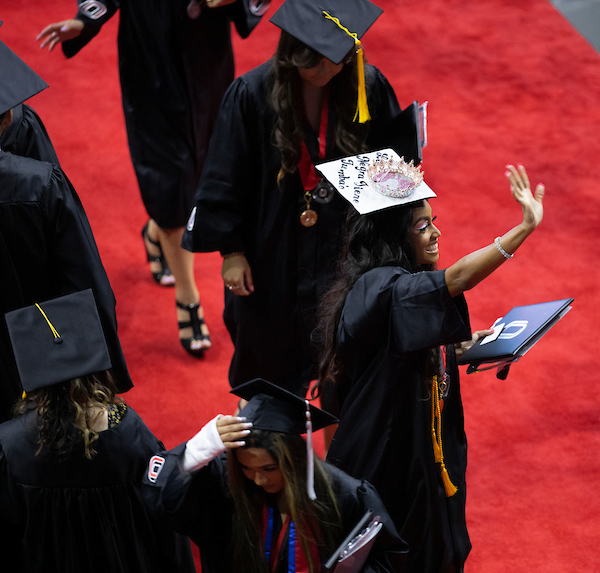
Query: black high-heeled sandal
(165,270)
(196,323)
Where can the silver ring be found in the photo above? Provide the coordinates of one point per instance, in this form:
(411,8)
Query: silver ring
(229,287)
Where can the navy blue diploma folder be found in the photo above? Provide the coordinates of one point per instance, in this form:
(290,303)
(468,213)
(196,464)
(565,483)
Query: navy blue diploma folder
(514,334)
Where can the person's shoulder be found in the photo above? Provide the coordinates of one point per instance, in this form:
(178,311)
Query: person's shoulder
(17,428)
(374,74)
(383,275)
(23,179)
(254,82)
(340,480)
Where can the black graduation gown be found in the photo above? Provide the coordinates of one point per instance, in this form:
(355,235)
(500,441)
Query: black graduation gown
(390,317)
(47,250)
(200,506)
(174,72)
(83,515)
(239,207)
(27,136)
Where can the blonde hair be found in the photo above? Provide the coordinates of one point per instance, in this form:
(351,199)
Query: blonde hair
(68,412)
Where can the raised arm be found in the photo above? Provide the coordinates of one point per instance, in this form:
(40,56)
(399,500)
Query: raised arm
(473,268)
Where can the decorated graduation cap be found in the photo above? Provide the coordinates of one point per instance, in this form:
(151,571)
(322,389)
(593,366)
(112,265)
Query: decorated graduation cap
(18,81)
(58,340)
(377,180)
(332,28)
(275,409)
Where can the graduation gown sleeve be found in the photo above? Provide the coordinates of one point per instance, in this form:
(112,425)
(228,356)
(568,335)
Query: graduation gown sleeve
(233,173)
(93,15)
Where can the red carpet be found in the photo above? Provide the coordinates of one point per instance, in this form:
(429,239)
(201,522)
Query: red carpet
(506,82)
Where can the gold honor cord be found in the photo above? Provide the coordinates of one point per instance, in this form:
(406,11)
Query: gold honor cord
(362,108)
(436,435)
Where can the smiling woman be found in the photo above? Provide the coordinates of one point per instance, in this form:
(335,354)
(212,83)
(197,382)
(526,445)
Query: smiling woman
(424,235)
(382,325)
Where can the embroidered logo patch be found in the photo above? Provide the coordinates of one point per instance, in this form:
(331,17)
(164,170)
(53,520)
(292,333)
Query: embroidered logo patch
(92,9)
(259,7)
(155,467)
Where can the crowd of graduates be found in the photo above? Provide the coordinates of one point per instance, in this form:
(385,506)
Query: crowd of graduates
(237,166)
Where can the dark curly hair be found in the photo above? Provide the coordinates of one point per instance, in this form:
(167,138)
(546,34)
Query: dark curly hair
(67,412)
(286,99)
(375,240)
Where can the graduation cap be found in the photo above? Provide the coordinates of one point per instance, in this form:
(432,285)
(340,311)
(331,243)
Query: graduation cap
(275,409)
(331,28)
(18,81)
(58,340)
(377,180)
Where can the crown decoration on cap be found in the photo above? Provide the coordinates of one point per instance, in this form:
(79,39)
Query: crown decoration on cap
(394,178)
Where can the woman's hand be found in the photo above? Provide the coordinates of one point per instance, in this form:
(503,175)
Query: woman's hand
(237,274)
(533,210)
(60,32)
(233,430)
(462,347)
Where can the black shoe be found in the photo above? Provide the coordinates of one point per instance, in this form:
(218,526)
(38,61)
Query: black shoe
(165,270)
(196,323)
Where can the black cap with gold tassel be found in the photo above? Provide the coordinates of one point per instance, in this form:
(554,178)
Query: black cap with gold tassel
(332,28)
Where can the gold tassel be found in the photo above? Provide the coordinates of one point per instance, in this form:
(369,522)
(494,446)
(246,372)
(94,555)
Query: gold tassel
(438,450)
(450,488)
(362,108)
(23,396)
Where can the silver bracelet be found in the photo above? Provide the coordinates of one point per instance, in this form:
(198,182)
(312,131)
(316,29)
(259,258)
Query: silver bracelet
(502,251)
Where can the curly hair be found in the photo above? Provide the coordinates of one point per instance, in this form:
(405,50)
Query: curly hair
(375,240)
(289,452)
(286,99)
(67,412)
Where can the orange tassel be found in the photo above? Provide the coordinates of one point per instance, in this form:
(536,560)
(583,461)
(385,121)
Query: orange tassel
(436,437)
(450,488)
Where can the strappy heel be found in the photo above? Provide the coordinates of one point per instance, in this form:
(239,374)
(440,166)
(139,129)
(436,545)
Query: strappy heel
(165,270)
(195,322)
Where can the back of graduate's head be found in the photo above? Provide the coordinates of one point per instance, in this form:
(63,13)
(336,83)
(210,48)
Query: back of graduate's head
(67,413)
(68,382)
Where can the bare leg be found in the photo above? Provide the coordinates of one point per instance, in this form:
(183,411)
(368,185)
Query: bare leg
(154,251)
(186,292)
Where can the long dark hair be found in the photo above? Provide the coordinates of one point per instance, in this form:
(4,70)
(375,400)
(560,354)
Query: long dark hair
(289,452)
(286,99)
(375,240)
(67,412)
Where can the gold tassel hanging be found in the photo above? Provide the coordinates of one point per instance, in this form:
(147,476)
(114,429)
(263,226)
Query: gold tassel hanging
(362,108)
(436,416)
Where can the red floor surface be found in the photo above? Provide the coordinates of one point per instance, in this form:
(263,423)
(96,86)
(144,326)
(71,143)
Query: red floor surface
(506,82)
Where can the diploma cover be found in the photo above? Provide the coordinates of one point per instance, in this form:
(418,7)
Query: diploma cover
(352,553)
(514,335)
